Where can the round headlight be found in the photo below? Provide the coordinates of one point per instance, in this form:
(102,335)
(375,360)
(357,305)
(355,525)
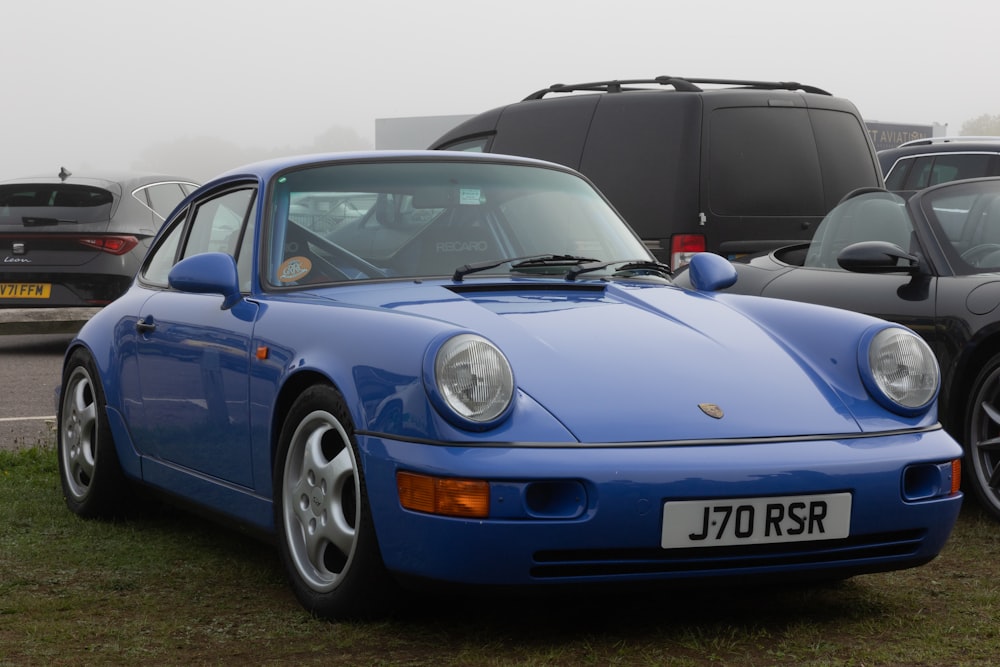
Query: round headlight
(473,379)
(902,373)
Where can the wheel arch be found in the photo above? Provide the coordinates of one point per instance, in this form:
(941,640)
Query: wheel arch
(292,388)
(960,385)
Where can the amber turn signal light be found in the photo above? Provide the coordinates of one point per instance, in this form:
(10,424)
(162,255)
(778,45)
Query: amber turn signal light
(956,475)
(445,496)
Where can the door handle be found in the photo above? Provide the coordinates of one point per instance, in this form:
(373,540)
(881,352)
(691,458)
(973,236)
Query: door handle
(145,325)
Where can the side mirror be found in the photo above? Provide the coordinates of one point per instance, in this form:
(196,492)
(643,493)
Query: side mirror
(208,273)
(876,257)
(710,272)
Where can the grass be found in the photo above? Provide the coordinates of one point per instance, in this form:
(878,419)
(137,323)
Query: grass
(168,588)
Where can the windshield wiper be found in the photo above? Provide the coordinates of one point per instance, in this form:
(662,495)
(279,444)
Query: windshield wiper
(627,266)
(520,263)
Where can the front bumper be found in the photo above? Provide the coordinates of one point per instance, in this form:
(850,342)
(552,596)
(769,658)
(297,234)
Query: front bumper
(594,514)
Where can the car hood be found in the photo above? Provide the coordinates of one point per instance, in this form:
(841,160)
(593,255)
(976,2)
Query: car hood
(630,363)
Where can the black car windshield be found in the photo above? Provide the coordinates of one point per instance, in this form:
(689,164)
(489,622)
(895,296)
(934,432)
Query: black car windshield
(412,219)
(965,218)
(42,205)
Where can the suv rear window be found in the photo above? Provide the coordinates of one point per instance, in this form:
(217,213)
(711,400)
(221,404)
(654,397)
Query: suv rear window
(788,162)
(39,205)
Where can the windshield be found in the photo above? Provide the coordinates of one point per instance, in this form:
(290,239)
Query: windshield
(965,218)
(358,221)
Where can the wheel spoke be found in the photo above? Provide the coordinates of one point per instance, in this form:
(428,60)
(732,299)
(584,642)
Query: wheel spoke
(340,528)
(991,412)
(986,443)
(989,445)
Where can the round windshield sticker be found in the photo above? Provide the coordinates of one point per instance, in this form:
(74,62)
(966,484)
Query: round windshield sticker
(294,268)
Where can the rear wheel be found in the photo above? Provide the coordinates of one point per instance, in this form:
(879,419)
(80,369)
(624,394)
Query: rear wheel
(326,537)
(982,437)
(91,475)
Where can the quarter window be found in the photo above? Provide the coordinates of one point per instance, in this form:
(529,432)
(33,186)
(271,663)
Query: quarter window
(215,225)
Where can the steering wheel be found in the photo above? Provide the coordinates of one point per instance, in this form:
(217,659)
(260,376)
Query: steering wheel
(340,254)
(975,254)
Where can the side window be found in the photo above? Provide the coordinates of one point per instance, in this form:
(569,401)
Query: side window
(867,217)
(216,223)
(896,178)
(213,225)
(163,197)
(244,260)
(163,256)
(959,166)
(920,174)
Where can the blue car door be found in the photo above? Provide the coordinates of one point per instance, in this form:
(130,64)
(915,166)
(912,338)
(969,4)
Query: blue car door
(193,362)
(193,356)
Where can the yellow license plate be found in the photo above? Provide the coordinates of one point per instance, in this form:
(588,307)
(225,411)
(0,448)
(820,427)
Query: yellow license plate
(25,290)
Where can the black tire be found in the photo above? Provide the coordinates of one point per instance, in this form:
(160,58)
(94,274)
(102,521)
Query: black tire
(93,483)
(981,469)
(324,527)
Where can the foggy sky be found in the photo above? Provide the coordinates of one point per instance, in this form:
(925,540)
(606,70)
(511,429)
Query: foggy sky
(196,84)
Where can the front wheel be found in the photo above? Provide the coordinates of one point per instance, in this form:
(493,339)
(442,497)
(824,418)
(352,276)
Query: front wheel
(326,537)
(982,437)
(91,475)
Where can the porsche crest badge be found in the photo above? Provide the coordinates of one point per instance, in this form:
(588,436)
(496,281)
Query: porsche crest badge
(711,409)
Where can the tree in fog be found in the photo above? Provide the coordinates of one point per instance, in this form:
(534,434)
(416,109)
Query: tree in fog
(983,126)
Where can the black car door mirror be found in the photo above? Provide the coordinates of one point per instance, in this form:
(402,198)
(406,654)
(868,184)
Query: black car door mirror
(877,257)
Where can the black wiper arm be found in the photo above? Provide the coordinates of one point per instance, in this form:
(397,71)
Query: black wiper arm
(641,265)
(644,265)
(519,263)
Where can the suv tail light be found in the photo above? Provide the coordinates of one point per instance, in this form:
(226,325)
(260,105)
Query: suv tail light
(116,245)
(683,247)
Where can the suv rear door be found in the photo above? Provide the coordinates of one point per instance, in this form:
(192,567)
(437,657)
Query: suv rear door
(773,167)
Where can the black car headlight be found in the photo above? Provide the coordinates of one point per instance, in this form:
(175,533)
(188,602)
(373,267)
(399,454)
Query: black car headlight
(899,370)
(471,381)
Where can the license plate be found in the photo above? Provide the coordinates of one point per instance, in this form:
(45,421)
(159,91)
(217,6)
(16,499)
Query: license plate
(729,522)
(25,290)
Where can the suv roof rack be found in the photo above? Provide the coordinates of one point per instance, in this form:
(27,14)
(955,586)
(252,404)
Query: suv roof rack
(927,141)
(684,84)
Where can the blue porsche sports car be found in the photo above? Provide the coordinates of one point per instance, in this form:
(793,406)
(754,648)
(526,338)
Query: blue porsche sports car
(433,367)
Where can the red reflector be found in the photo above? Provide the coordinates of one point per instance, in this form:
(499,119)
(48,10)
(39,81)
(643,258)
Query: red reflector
(116,245)
(683,247)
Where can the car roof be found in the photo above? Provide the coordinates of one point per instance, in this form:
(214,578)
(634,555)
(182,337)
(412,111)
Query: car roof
(679,84)
(265,169)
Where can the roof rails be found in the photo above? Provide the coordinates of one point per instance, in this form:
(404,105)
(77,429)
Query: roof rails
(679,83)
(927,141)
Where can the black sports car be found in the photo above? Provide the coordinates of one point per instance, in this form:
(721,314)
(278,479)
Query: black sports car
(930,262)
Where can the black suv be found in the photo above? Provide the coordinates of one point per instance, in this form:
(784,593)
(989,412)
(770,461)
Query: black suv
(734,168)
(924,162)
